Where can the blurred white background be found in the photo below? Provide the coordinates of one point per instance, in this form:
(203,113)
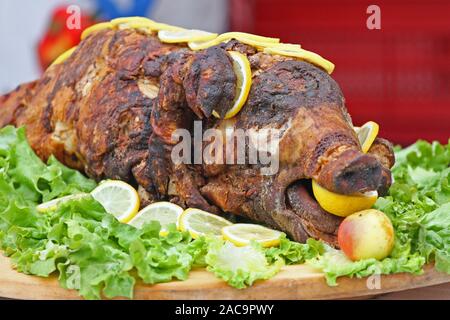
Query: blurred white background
(23,22)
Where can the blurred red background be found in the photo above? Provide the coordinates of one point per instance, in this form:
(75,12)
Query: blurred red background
(398,76)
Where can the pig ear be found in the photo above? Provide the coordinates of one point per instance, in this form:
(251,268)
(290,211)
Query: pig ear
(210,83)
(383,150)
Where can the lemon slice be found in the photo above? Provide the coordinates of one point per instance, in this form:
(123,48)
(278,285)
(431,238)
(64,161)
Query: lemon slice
(244,35)
(241,234)
(133,23)
(96,27)
(286,46)
(163,212)
(164,26)
(170,36)
(302,54)
(130,20)
(242,69)
(142,23)
(64,56)
(200,45)
(53,204)
(248,38)
(199,222)
(118,198)
(340,204)
(260,45)
(367,134)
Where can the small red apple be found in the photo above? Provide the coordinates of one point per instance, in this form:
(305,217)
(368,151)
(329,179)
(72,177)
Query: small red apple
(366,234)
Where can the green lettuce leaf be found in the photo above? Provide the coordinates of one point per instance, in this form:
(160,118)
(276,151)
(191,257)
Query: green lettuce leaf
(293,252)
(418,203)
(334,263)
(239,266)
(433,241)
(423,154)
(34,180)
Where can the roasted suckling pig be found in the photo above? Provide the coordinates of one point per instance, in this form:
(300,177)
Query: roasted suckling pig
(110,111)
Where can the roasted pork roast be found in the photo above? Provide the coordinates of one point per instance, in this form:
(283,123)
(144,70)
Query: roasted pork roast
(111,109)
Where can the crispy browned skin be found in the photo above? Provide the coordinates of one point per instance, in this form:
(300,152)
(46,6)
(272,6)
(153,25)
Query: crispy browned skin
(111,108)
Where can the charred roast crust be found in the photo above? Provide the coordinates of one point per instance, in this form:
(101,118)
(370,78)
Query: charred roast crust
(277,94)
(210,83)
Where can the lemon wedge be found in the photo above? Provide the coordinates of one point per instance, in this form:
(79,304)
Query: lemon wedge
(243,71)
(199,222)
(63,56)
(96,27)
(241,234)
(171,36)
(163,212)
(53,204)
(118,198)
(302,54)
(247,38)
(340,204)
(367,134)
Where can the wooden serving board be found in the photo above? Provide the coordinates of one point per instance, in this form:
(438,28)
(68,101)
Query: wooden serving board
(293,282)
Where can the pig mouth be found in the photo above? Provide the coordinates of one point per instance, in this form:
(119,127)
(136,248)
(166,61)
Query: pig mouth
(351,173)
(316,222)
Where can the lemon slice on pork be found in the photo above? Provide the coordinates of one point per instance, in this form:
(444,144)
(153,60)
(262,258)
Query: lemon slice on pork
(302,54)
(199,223)
(131,20)
(241,234)
(133,23)
(142,23)
(64,56)
(340,204)
(118,198)
(53,204)
(164,212)
(177,36)
(248,38)
(285,46)
(245,35)
(96,27)
(164,26)
(367,134)
(243,71)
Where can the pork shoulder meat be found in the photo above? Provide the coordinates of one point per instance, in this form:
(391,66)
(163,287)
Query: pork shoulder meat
(111,108)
